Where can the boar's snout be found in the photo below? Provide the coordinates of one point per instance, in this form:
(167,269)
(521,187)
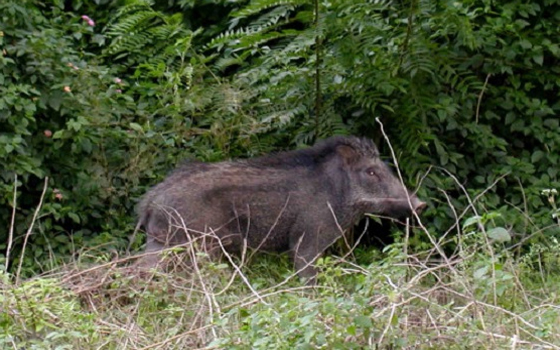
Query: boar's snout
(417,205)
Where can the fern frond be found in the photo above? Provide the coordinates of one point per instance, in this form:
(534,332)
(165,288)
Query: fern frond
(258,6)
(133,23)
(271,18)
(137,26)
(228,37)
(132,7)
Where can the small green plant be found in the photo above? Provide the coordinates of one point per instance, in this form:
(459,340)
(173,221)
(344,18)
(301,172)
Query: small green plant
(42,314)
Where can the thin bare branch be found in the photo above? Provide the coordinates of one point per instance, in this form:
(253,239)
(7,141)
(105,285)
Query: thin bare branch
(30,229)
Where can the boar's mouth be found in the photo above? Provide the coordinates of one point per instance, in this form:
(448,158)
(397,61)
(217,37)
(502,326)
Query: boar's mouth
(397,208)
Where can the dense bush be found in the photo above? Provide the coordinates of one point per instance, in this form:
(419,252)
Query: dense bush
(57,107)
(71,117)
(469,87)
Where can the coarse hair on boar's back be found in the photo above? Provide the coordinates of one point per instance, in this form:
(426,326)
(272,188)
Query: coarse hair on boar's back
(299,201)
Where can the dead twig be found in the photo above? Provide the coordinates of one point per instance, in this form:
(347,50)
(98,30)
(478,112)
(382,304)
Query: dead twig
(30,229)
(12,224)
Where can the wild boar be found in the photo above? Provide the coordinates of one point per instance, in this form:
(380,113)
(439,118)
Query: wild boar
(299,201)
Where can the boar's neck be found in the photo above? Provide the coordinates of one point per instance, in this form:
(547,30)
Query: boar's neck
(333,187)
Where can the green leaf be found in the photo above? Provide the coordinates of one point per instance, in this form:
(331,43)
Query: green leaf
(479,273)
(136,127)
(62,239)
(522,23)
(58,134)
(538,59)
(471,221)
(525,44)
(87,146)
(537,155)
(552,123)
(55,101)
(74,217)
(499,234)
(363,321)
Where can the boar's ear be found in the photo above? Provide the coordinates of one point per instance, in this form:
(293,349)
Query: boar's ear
(348,154)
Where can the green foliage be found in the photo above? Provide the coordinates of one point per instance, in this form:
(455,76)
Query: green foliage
(138,32)
(467,88)
(54,110)
(105,106)
(68,117)
(101,131)
(40,314)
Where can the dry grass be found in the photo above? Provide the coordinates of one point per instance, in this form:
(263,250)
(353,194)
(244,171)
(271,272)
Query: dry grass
(408,301)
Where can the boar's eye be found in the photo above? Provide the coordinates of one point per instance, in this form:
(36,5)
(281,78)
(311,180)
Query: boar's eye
(371,172)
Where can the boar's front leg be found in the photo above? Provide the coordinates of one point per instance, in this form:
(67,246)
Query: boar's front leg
(151,257)
(307,248)
(303,262)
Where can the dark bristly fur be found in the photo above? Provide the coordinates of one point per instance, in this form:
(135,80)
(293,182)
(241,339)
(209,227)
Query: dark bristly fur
(297,201)
(315,155)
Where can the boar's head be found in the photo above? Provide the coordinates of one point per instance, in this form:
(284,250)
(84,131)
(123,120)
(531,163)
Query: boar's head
(373,186)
